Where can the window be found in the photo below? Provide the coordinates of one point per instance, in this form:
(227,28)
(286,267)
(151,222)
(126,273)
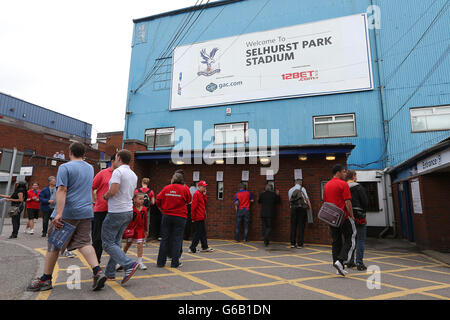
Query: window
(430,118)
(334,126)
(231,133)
(219,190)
(322,187)
(159,137)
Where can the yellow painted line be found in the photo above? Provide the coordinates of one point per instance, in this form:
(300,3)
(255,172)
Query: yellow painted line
(325,292)
(44,295)
(120,290)
(399,294)
(436,271)
(202,282)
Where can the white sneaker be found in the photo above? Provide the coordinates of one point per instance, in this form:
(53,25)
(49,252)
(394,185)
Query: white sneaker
(340,268)
(190,251)
(69,254)
(142,266)
(207,250)
(31,231)
(337,272)
(26,230)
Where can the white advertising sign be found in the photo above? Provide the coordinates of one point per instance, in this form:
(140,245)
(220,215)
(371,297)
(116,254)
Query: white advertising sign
(324,57)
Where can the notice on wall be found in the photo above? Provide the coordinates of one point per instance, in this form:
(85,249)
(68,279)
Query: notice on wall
(196,176)
(317,58)
(415,191)
(298,174)
(245,175)
(219,176)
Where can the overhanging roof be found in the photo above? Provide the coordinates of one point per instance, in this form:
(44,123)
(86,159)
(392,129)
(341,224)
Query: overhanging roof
(293,150)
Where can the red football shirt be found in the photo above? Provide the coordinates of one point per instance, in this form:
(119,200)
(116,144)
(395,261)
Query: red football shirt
(173,200)
(337,191)
(101,184)
(33,204)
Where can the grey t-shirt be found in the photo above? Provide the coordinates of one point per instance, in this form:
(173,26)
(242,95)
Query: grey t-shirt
(77,176)
(122,201)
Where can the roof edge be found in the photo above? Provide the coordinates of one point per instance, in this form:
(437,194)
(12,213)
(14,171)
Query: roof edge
(185,10)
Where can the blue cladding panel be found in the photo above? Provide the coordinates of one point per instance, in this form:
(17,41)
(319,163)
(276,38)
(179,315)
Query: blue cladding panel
(293,117)
(43,117)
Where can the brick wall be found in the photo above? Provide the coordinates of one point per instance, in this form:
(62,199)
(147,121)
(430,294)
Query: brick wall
(221,213)
(44,145)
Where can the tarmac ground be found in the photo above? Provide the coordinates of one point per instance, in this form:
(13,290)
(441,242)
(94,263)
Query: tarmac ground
(234,271)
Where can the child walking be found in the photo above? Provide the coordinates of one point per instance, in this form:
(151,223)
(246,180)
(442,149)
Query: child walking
(198,215)
(137,229)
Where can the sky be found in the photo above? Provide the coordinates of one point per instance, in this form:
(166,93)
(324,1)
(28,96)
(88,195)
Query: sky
(73,57)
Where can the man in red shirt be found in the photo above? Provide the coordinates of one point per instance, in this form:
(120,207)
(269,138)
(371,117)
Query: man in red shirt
(198,215)
(33,207)
(100,186)
(242,201)
(337,192)
(172,200)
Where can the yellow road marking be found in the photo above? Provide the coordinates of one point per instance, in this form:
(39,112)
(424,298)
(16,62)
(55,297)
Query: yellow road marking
(44,295)
(399,294)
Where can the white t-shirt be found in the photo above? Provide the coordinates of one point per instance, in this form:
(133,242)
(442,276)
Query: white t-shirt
(122,201)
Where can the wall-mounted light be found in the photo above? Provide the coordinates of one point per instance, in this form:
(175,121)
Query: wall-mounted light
(264,160)
(303,157)
(330,157)
(24,115)
(179,162)
(220,161)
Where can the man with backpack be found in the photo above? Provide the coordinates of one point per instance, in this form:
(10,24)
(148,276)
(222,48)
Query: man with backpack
(299,204)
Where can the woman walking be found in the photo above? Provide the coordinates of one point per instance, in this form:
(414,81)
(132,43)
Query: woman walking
(17,200)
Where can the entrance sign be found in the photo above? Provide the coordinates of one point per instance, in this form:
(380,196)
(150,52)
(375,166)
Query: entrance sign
(324,57)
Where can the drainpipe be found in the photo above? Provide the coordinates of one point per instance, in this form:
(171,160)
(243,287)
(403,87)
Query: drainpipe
(385,122)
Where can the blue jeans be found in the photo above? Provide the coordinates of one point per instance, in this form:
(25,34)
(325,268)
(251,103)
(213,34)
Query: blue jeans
(172,230)
(242,215)
(361,231)
(112,230)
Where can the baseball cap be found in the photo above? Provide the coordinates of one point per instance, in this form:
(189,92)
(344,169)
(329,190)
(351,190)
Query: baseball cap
(202,184)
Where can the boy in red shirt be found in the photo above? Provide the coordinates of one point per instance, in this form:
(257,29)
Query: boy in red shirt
(137,229)
(33,207)
(337,192)
(198,215)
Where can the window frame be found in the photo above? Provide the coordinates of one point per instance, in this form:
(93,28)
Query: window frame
(426,107)
(155,136)
(333,122)
(245,123)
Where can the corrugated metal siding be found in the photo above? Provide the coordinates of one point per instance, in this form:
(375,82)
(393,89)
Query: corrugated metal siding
(403,23)
(43,117)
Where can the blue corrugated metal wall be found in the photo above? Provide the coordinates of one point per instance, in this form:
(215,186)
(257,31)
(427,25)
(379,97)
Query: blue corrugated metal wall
(16,109)
(404,22)
(293,117)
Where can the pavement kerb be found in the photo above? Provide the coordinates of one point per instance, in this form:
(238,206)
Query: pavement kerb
(27,294)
